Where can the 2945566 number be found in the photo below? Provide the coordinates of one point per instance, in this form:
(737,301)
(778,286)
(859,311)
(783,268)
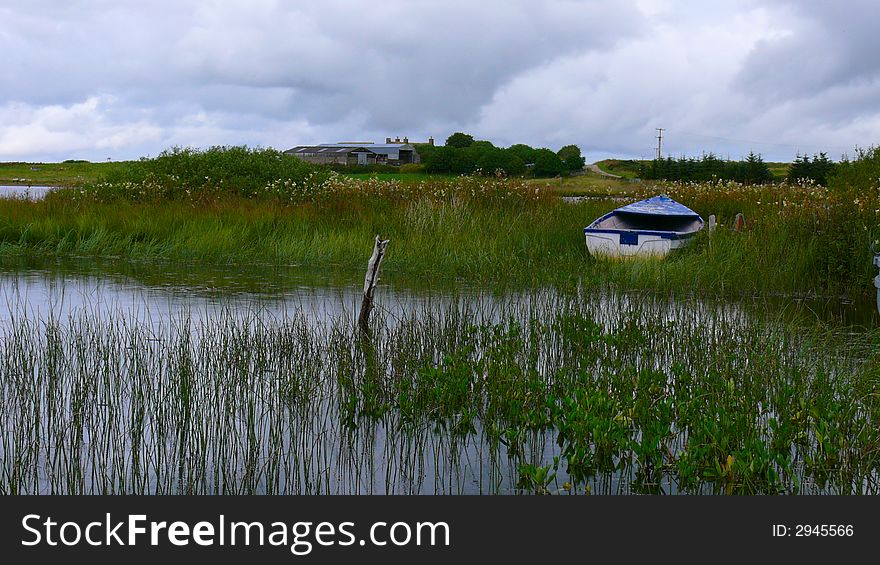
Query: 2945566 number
(823,530)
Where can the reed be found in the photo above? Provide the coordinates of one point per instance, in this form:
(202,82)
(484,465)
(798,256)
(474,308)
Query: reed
(236,206)
(797,242)
(539,392)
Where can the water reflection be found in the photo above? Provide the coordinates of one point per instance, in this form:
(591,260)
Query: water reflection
(162,290)
(272,391)
(26,192)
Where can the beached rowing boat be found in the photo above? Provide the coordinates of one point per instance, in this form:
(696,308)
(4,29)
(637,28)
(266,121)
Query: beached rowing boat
(651,227)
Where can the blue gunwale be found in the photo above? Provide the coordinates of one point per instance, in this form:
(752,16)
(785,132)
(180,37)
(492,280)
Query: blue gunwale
(662,234)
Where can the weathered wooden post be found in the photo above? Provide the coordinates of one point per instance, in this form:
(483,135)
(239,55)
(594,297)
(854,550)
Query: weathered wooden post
(712,222)
(370,281)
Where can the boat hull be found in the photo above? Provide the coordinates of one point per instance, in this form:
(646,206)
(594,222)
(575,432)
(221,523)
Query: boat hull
(648,228)
(633,244)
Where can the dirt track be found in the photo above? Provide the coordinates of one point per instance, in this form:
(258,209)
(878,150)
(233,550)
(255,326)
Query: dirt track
(595,168)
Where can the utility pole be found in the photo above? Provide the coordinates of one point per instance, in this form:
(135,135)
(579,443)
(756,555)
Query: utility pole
(659,141)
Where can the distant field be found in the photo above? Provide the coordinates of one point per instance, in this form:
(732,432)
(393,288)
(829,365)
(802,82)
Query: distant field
(626,168)
(70,173)
(73,173)
(779,170)
(629,168)
(412,177)
(589,184)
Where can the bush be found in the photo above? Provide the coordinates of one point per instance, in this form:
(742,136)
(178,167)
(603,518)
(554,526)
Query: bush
(363,169)
(863,173)
(198,173)
(412,168)
(484,158)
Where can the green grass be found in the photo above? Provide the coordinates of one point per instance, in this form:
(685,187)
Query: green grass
(588,184)
(629,168)
(521,242)
(71,173)
(77,173)
(779,170)
(402,177)
(626,168)
(240,206)
(577,382)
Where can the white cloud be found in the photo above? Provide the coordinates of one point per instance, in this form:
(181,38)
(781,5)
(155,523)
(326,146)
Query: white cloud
(68,130)
(87,78)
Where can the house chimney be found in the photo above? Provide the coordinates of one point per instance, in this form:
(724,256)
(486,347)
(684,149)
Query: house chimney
(397,140)
(431,140)
(406,139)
(387,140)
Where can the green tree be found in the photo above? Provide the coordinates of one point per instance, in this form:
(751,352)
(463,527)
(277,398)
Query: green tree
(571,158)
(547,163)
(493,160)
(459,140)
(440,160)
(524,152)
(755,170)
(819,170)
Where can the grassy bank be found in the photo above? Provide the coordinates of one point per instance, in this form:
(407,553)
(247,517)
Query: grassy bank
(630,168)
(68,173)
(448,237)
(214,207)
(797,241)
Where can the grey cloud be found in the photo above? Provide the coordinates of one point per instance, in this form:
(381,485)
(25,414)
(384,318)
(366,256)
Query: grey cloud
(389,66)
(827,45)
(136,77)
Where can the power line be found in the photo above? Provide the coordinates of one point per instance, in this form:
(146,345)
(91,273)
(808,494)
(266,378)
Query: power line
(659,141)
(796,146)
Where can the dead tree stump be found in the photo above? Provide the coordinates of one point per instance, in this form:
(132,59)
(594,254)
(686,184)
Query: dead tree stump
(370,281)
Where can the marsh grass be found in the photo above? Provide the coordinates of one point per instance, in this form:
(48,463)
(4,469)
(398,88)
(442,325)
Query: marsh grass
(798,243)
(213,207)
(545,392)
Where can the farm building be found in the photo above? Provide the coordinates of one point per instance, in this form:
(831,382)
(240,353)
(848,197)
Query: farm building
(365,153)
(330,155)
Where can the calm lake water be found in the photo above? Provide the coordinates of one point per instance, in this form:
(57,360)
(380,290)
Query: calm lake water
(30,192)
(159,291)
(321,453)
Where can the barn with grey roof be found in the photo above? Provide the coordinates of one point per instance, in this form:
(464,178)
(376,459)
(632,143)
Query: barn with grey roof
(394,152)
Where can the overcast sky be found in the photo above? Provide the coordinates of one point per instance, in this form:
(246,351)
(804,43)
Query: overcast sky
(99,79)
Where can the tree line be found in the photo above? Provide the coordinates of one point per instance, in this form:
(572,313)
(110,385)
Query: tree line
(464,155)
(751,170)
(819,170)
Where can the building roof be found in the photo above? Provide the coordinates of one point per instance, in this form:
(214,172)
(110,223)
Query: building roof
(383,148)
(327,149)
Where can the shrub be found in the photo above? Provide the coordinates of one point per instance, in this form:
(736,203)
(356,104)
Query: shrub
(412,168)
(197,173)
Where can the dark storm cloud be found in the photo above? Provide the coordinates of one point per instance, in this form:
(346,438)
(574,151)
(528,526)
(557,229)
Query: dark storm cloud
(826,45)
(395,63)
(97,78)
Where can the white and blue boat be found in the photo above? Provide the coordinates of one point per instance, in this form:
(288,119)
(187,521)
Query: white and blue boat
(651,227)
